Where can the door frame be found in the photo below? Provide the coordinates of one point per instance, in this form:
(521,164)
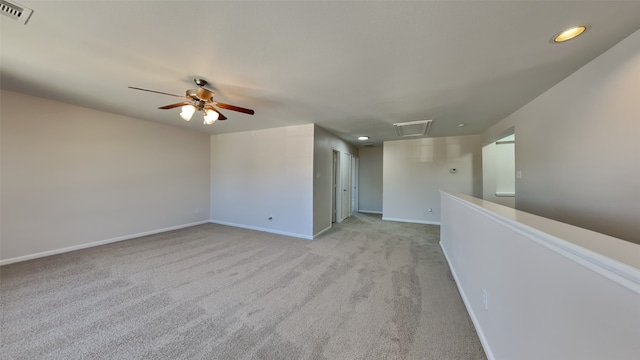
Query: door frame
(335,184)
(345,186)
(355,164)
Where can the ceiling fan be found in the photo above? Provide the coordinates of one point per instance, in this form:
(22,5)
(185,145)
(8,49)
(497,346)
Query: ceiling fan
(199,99)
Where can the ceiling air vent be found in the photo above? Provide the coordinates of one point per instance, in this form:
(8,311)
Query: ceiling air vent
(413,128)
(15,11)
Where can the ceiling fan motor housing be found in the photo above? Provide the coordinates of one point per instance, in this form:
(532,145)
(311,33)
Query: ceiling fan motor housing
(191,93)
(204,94)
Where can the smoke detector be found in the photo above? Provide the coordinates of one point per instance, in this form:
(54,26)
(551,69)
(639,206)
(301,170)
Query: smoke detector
(413,128)
(15,11)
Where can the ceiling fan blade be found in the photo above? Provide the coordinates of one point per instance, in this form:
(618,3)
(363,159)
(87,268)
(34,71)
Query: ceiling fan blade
(220,116)
(167,107)
(235,108)
(157,92)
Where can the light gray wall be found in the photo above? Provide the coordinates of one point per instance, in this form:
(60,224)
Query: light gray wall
(578,146)
(370,181)
(73,176)
(324,143)
(415,170)
(265,173)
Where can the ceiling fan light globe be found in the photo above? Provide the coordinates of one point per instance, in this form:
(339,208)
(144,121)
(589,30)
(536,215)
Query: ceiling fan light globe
(210,117)
(187,112)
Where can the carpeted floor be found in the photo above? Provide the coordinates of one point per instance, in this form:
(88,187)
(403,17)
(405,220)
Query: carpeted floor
(367,289)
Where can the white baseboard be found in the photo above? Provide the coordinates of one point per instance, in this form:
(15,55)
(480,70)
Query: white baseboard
(96,243)
(467,304)
(322,231)
(273,231)
(412,221)
(370,212)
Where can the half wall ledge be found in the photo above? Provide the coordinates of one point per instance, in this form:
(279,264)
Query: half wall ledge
(536,288)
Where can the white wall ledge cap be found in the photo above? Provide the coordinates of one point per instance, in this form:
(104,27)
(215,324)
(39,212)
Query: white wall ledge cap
(584,246)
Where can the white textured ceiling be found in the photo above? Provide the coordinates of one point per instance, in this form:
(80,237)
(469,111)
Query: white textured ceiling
(354,68)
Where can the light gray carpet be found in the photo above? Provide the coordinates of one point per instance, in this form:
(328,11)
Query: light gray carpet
(367,289)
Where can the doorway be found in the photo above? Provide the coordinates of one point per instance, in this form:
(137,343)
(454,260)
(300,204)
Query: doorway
(335,175)
(342,186)
(355,165)
(498,171)
(345,170)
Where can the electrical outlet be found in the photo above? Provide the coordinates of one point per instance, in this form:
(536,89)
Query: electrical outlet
(485,299)
(197,210)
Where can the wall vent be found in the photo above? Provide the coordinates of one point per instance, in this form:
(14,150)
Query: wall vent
(413,128)
(15,11)
(368,145)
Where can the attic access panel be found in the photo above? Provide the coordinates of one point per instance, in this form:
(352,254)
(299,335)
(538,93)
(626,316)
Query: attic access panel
(413,128)
(15,11)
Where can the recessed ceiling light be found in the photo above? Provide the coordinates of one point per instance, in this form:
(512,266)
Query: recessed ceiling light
(569,33)
(462,125)
(363,138)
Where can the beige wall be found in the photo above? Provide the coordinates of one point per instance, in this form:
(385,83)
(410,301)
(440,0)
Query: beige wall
(323,145)
(414,172)
(578,146)
(72,176)
(370,179)
(264,173)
